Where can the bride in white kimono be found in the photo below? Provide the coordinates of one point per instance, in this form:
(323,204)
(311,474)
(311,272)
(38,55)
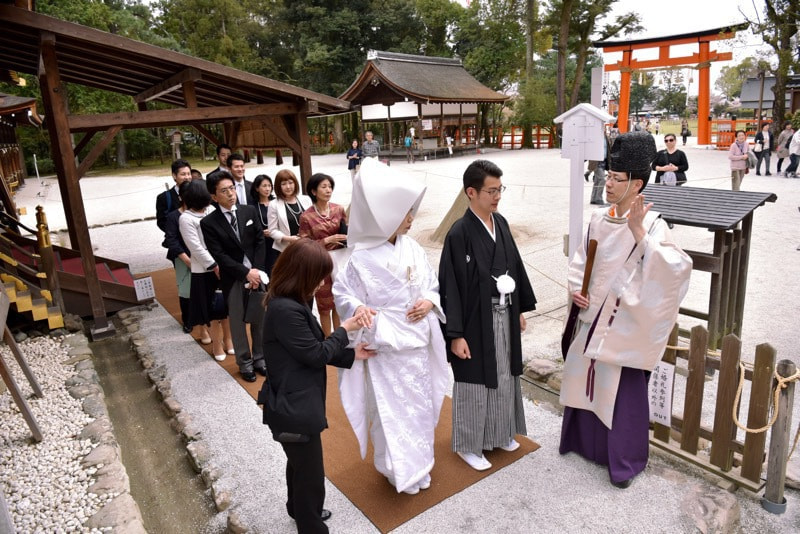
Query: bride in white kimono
(397,396)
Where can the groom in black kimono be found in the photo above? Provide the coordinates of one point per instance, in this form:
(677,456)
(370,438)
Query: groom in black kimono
(484,290)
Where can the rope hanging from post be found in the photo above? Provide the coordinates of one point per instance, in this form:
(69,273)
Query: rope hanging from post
(782,383)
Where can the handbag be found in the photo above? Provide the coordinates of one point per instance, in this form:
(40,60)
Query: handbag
(254,304)
(669,178)
(751,160)
(218,307)
(758,147)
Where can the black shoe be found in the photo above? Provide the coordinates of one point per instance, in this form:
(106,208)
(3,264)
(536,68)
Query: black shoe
(768,174)
(623,484)
(248,376)
(261,370)
(326,514)
(586,176)
(758,174)
(187,329)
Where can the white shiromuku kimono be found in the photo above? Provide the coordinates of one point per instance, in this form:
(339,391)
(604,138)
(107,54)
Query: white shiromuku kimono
(634,295)
(397,395)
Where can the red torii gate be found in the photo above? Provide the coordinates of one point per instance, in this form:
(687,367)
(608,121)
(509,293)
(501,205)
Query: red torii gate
(701,61)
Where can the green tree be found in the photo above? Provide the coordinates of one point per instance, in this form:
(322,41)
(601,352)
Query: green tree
(439,20)
(642,91)
(672,94)
(731,78)
(779,30)
(576,24)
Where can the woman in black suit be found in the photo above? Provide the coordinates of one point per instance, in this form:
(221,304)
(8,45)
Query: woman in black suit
(261,192)
(297,354)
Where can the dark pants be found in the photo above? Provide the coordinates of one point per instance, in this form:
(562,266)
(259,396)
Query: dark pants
(794,159)
(305,482)
(763,155)
(780,164)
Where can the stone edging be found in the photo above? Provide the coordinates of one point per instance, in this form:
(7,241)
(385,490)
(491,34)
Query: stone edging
(120,513)
(197,449)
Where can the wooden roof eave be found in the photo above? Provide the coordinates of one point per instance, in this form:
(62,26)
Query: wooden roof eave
(76,37)
(364,81)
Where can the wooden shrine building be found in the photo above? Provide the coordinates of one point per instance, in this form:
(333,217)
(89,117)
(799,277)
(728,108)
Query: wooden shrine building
(700,60)
(14,111)
(434,95)
(197,93)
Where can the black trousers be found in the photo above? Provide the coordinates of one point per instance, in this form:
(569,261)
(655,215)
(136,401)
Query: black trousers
(305,482)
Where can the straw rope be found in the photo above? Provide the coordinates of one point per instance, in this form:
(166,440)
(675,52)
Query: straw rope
(782,383)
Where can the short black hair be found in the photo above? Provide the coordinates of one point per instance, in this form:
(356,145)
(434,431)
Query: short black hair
(257,183)
(182,190)
(232,158)
(213,179)
(178,164)
(477,171)
(223,145)
(196,196)
(313,184)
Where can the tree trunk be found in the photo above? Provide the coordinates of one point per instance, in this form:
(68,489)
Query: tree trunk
(562,49)
(579,70)
(530,10)
(338,133)
(122,150)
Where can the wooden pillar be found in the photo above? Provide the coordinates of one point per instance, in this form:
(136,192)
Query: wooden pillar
(703,96)
(55,102)
(624,92)
(301,127)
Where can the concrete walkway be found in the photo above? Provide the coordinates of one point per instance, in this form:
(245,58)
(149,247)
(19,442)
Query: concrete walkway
(543,492)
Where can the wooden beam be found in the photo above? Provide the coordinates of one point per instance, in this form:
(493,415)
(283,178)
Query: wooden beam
(168,85)
(55,100)
(189,94)
(175,117)
(277,126)
(208,135)
(97,149)
(84,141)
(301,132)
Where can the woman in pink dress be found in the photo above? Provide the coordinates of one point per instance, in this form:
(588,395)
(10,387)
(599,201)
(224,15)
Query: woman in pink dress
(324,222)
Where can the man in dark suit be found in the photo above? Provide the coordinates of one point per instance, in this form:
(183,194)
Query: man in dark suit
(235,238)
(168,200)
(236,166)
(223,153)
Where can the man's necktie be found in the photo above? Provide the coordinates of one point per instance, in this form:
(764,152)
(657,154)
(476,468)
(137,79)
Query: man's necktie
(233,223)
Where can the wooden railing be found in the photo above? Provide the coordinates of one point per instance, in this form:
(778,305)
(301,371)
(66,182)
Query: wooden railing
(741,462)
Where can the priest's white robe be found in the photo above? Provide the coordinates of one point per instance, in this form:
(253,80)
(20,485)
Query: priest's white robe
(397,395)
(634,295)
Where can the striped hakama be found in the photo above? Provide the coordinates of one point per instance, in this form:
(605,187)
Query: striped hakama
(485,418)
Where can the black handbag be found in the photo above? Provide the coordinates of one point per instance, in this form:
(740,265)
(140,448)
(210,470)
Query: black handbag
(254,304)
(343,230)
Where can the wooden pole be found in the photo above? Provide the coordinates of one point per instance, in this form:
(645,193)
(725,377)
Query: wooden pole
(773,500)
(704,95)
(55,99)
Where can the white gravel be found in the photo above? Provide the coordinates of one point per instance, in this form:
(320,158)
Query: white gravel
(45,485)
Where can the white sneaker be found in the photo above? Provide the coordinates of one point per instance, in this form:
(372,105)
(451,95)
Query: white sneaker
(512,445)
(479,463)
(425,483)
(220,357)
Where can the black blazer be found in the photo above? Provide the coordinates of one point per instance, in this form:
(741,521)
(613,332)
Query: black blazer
(166,202)
(760,139)
(173,241)
(297,354)
(228,251)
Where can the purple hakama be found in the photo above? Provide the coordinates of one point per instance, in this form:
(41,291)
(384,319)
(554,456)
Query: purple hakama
(623,448)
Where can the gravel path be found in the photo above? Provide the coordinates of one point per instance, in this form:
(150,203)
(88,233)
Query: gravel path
(45,484)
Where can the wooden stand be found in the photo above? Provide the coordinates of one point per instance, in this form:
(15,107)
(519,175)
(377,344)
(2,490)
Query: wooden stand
(11,384)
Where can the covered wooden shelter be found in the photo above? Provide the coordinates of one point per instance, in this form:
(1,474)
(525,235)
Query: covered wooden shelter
(700,60)
(14,111)
(433,93)
(199,92)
